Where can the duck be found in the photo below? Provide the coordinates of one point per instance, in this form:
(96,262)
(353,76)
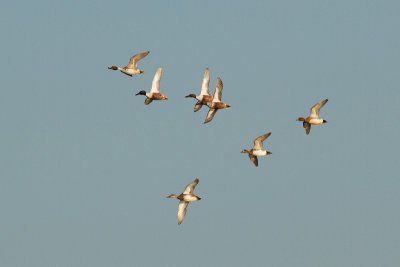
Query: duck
(131,68)
(216,102)
(314,116)
(257,149)
(204,96)
(154,93)
(186,197)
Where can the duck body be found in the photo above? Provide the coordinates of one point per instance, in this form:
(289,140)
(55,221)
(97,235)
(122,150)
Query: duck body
(260,152)
(204,99)
(156,96)
(130,72)
(188,197)
(314,121)
(218,105)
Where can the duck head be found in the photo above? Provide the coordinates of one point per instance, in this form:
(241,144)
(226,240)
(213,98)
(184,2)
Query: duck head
(191,95)
(245,151)
(301,119)
(172,196)
(324,121)
(113,68)
(141,93)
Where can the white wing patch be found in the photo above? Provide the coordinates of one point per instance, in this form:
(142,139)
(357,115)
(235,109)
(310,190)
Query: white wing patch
(190,187)
(133,61)
(155,87)
(182,211)
(218,91)
(258,142)
(314,112)
(206,83)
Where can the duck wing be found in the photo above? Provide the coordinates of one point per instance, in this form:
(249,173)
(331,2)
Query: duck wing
(210,115)
(206,83)
(254,159)
(133,61)
(155,86)
(148,101)
(182,210)
(198,106)
(218,91)
(307,127)
(258,142)
(314,112)
(190,187)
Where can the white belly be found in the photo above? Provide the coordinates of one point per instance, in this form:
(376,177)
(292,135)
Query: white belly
(315,121)
(189,198)
(131,71)
(259,152)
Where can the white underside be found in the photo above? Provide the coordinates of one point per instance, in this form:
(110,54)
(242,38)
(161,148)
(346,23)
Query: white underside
(130,71)
(189,198)
(316,121)
(259,152)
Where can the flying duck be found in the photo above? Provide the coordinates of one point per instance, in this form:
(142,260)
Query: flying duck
(314,116)
(204,96)
(154,93)
(216,103)
(257,149)
(186,197)
(131,68)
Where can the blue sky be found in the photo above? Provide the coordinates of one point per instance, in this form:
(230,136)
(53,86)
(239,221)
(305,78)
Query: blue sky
(86,166)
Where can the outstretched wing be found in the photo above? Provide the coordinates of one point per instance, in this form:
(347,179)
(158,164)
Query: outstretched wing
(182,210)
(206,83)
(198,106)
(218,91)
(258,143)
(314,112)
(254,159)
(307,127)
(133,61)
(190,187)
(210,115)
(155,86)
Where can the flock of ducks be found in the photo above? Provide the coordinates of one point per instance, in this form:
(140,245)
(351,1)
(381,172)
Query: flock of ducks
(214,103)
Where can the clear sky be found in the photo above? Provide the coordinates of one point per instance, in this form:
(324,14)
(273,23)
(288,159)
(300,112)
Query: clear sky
(85,166)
